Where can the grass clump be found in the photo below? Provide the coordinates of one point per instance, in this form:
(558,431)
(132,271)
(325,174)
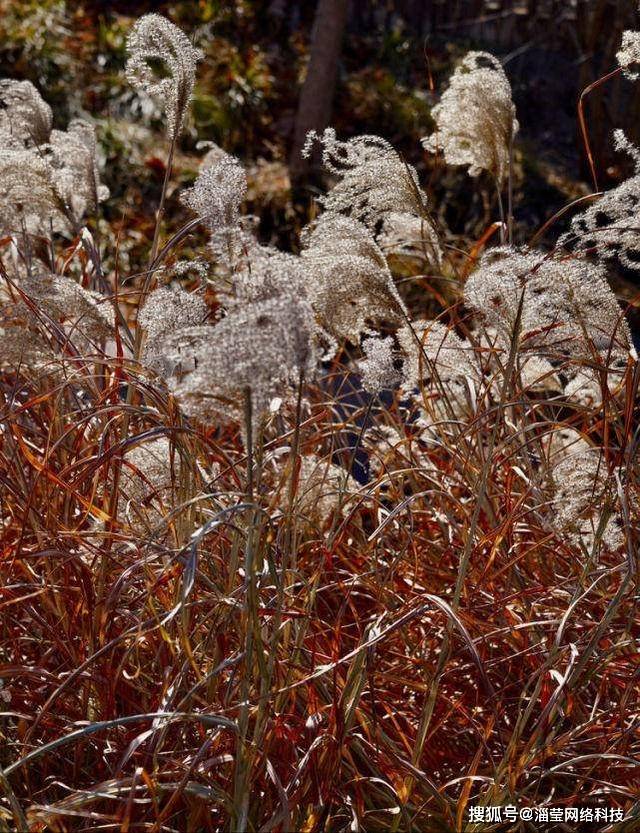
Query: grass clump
(280,552)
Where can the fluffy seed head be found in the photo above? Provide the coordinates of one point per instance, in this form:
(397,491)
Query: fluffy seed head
(218,192)
(30,200)
(162,63)
(372,178)
(167,310)
(563,442)
(583,488)
(87,315)
(22,347)
(475,119)
(536,373)
(384,445)
(440,352)
(392,454)
(73,156)
(628,55)
(609,230)
(197,266)
(265,272)
(25,118)
(377,370)
(334,234)
(320,483)
(348,281)
(148,476)
(568,309)
(54,185)
(406,235)
(262,347)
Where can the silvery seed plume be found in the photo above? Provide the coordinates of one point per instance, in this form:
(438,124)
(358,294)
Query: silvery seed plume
(348,281)
(251,271)
(198,267)
(262,347)
(168,310)
(584,385)
(582,489)
(25,118)
(438,369)
(372,179)
(218,193)
(162,63)
(333,233)
(73,157)
(248,271)
(628,55)
(216,197)
(609,230)
(318,488)
(264,272)
(475,119)
(231,247)
(406,235)
(213,155)
(30,200)
(377,370)
(385,446)
(22,347)
(87,315)
(50,177)
(568,309)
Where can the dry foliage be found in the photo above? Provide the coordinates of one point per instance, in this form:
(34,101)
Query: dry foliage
(278,554)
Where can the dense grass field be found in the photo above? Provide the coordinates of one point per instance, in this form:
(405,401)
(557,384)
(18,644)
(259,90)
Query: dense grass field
(335,535)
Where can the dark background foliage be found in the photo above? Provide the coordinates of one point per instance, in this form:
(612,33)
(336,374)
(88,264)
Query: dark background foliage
(390,63)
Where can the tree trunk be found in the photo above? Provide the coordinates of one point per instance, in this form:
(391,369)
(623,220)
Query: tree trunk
(316,96)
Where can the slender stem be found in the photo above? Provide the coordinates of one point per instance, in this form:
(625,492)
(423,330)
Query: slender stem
(502,217)
(148,281)
(290,549)
(18,816)
(543,228)
(248,421)
(163,196)
(583,122)
(510,193)
(242,763)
